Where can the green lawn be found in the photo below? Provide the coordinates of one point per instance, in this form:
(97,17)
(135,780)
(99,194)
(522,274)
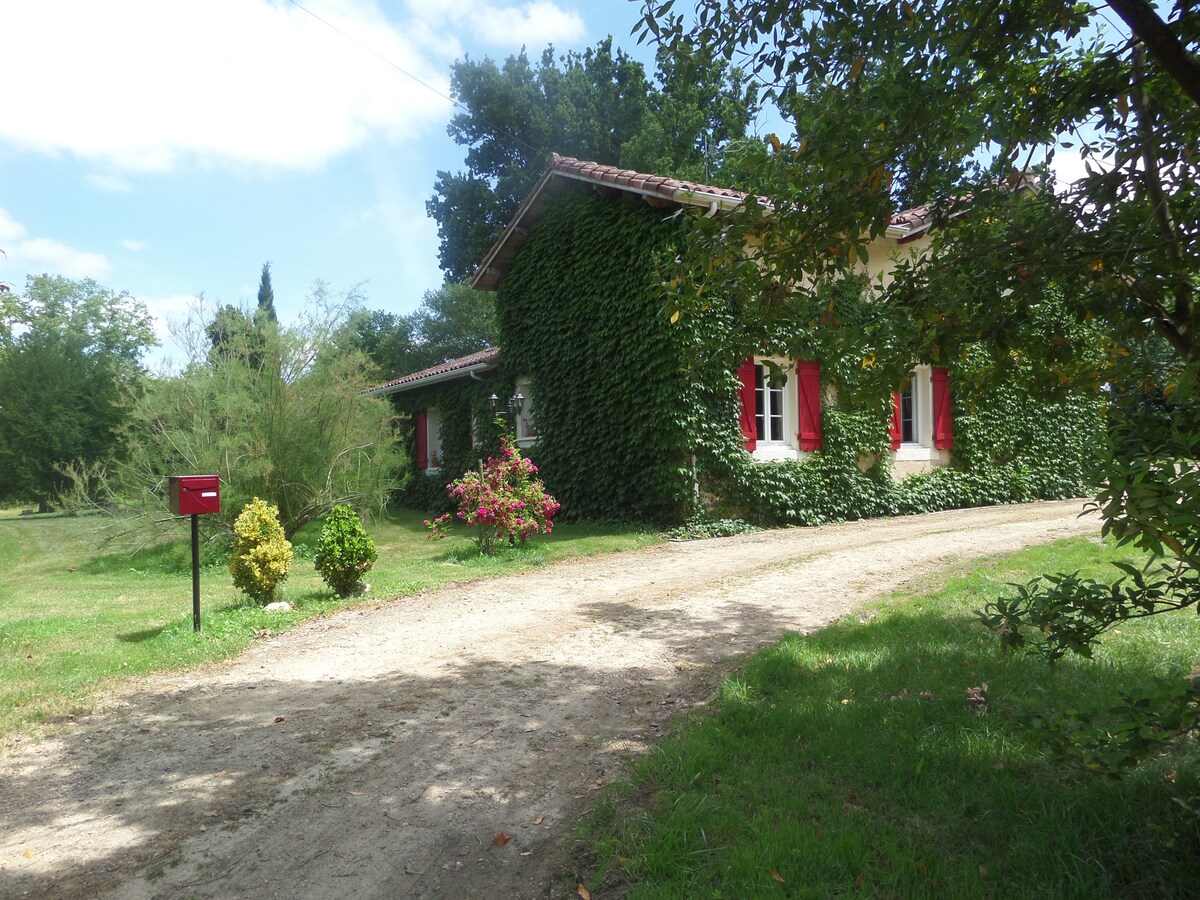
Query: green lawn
(850,763)
(73,618)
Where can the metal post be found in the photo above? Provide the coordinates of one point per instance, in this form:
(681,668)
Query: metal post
(195,572)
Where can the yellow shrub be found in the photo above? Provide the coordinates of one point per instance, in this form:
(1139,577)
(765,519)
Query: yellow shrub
(260,555)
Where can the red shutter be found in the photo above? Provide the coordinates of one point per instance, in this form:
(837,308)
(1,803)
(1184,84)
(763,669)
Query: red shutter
(422,441)
(748,403)
(894,428)
(943,413)
(808,377)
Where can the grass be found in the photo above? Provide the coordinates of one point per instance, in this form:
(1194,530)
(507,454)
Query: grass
(849,763)
(74,619)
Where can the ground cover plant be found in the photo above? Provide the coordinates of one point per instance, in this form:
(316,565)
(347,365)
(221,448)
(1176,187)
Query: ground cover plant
(75,619)
(893,756)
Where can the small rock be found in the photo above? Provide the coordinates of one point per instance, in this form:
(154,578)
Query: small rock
(278,606)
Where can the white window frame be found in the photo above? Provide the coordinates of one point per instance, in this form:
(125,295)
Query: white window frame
(433,440)
(789,447)
(526,424)
(921,384)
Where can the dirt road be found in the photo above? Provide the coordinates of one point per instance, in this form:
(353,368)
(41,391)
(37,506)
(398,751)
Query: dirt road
(379,753)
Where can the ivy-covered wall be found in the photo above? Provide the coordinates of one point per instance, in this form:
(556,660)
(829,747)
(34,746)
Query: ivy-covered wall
(581,314)
(636,408)
(1008,446)
(459,403)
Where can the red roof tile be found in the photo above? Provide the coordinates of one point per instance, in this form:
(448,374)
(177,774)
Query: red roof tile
(670,191)
(485,359)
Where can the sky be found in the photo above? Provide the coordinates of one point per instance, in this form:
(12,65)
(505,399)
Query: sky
(169,149)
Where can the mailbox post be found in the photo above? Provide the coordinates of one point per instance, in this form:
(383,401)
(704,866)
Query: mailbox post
(195,495)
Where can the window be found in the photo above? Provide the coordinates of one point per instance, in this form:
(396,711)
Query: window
(909,434)
(922,421)
(525,427)
(769,404)
(780,420)
(429,440)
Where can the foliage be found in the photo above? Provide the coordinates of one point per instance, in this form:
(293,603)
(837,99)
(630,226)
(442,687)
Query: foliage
(231,333)
(705,526)
(266,297)
(260,554)
(345,552)
(450,322)
(503,502)
(952,102)
(286,420)
(596,105)
(69,365)
(580,310)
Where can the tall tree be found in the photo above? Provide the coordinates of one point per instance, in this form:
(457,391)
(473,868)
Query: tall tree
(69,360)
(288,422)
(596,105)
(951,101)
(452,321)
(266,296)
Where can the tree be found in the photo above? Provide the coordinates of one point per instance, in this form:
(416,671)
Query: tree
(286,420)
(963,102)
(452,321)
(231,331)
(596,105)
(266,296)
(69,365)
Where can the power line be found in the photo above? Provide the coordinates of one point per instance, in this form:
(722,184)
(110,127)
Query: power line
(420,81)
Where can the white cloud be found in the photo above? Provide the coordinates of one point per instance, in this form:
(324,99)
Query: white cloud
(167,309)
(142,85)
(504,25)
(113,184)
(41,254)
(134,245)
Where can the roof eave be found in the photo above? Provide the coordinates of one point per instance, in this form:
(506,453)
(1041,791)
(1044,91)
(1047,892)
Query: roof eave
(465,372)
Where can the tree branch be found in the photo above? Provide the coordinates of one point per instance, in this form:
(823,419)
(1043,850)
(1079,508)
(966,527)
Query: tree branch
(1162,43)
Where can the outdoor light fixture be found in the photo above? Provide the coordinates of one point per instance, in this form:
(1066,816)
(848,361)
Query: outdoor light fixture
(515,403)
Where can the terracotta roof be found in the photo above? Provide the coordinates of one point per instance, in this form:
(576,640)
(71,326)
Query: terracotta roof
(657,189)
(481,361)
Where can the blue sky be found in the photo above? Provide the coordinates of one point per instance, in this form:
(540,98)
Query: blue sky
(169,149)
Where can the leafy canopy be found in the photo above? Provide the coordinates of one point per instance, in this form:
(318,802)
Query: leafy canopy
(280,414)
(69,366)
(598,105)
(965,103)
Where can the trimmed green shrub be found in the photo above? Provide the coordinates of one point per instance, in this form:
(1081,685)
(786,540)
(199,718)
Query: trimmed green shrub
(260,554)
(345,552)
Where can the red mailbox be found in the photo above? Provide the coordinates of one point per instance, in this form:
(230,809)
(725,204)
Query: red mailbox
(195,495)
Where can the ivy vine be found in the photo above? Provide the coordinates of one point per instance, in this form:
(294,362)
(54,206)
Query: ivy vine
(635,403)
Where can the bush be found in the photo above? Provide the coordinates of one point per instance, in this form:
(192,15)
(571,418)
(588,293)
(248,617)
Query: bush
(260,554)
(345,552)
(503,501)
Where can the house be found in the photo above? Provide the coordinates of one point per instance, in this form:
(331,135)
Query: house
(629,414)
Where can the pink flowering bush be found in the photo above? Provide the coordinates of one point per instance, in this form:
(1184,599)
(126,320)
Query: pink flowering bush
(503,501)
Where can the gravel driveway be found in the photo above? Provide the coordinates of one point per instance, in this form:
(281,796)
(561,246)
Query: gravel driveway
(379,752)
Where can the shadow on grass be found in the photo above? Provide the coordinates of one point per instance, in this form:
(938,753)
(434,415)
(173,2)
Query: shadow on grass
(852,761)
(146,634)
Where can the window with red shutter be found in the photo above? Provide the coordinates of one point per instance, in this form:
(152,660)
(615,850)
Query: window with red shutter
(748,408)
(422,441)
(943,410)
(808,379)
